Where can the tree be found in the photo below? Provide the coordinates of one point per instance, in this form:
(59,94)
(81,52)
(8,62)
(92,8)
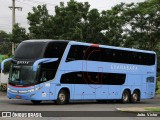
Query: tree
(70,20)
(113,22)
(18,34)
(129,25)
(5,48)
(5,45)
(144,22)
(41,23)
(94,27)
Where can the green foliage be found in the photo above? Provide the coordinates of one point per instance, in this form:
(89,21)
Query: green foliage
(4,36)
(113,22)
(68,20)
(153,109)
(7,65)
(158,85)
(144,19)
(126,25)
(5,45)
(5,48)
(18,34)
(41,23)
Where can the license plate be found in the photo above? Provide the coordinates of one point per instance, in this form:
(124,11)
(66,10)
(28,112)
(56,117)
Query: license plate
(18,97)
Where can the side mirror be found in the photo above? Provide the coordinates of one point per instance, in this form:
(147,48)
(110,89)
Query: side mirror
(44,60)
(4,61)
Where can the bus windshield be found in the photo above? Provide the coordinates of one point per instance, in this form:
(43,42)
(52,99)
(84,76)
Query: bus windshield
(22,76)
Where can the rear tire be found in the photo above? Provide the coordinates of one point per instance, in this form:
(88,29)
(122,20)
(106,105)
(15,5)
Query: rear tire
(36,102)
(62,98)
(135,97)
(125,96)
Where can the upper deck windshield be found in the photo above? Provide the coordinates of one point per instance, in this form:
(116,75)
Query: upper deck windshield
(30,50)
(22,76)
(33,50)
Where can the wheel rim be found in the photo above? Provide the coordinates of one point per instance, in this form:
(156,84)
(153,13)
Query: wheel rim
(135,97)
(62,97)
(125,97)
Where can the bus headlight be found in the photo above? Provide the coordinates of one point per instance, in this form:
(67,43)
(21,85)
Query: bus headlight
(32,90)
(38,88)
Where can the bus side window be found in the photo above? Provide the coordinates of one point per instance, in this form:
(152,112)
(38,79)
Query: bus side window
(79,78)
(113,79)
(106,55)
(93,54)
(43,77)
(76,52)
(71,55)
(68,78)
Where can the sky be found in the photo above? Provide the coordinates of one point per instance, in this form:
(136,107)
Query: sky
(21,16)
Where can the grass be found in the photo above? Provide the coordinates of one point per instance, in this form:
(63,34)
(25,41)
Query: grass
(153,109)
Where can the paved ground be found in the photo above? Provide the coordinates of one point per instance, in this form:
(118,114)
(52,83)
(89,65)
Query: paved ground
(22,105)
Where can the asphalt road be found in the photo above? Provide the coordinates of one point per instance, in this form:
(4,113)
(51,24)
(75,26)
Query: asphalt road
(23,105)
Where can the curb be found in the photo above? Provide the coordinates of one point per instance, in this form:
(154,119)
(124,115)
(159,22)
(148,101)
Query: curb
(135,109)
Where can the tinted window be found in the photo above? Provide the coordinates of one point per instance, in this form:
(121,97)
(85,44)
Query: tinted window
(55,49)
(30,50)
(76,53)
(114,79)
(150,79)
(79,52)
(93,78)
(36,50)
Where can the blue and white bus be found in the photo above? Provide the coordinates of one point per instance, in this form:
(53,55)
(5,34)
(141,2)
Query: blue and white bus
(61,71)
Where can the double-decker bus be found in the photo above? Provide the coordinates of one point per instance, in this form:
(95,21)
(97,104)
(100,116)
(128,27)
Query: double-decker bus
(61,71)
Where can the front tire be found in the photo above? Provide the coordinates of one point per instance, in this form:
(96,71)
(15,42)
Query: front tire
(62,98)
(125,96)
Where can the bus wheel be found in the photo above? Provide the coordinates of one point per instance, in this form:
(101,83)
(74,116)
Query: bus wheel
(62,98)
(36,102)
(135,97)
(125,96)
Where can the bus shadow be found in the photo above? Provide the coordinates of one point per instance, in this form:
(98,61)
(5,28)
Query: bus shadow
(19,102)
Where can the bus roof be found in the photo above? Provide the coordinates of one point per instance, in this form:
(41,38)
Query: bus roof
(88,44)
(112,47)
(45,40)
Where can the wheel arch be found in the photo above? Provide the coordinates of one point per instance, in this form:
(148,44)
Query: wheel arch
(66,89)
(126,94)
(127,90)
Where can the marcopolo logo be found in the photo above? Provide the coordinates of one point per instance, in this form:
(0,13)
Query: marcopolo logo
(22,62)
